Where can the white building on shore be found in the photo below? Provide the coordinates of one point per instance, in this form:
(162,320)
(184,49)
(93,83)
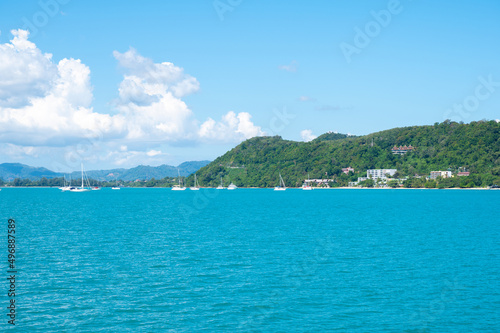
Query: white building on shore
(380,173)
(443,174)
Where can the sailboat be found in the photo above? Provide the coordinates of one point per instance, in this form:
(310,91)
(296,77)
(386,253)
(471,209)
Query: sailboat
(117,186)
(196,186)
(65,187)
(281,186)
(220,187)
(178,187)
(232,187)
(306,186)
(82,188)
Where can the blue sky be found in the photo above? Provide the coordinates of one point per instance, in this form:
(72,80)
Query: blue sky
(156,82)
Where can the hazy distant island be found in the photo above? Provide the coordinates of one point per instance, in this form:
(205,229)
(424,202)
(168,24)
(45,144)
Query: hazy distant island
(443,155)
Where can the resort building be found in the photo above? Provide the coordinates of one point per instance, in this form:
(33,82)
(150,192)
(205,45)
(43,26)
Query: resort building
(380,173)
(443,174)
(319,181)
(401,150)
(346,170)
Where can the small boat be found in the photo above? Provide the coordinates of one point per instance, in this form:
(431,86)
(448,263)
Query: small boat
(81,188)
(281,186)
(96,188)
(307,187)
(65,187)
(220,187)
(196,186)
(178,187)
(115,188)
(232,187)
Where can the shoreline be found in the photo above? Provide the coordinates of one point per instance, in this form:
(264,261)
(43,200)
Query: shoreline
(291,188)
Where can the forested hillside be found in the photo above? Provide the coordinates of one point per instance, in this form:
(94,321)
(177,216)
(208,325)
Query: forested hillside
(474,147)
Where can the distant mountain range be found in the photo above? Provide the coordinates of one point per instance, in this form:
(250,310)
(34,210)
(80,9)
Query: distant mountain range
(11,171)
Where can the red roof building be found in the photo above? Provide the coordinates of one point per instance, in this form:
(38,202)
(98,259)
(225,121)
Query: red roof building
(402,149)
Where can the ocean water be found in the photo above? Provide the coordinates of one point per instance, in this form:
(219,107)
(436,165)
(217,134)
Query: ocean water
(253,260)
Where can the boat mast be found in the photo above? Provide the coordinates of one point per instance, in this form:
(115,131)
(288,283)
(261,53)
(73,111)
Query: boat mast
(82,175)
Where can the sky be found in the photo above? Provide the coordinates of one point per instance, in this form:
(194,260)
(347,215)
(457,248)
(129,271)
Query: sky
(119,84)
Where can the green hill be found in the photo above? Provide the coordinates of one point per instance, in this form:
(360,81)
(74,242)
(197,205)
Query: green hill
(453,146)
(10,171)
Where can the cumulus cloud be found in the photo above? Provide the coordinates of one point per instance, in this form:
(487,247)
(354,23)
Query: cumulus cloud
(232,127)
(159,78)
(307,135)
(48,103)
(25,71)
(150,97)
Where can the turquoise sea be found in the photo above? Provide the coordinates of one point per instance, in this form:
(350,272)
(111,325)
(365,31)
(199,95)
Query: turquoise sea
(253,260)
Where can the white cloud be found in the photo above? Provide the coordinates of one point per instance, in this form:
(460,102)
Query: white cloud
(49,105)
(292,67)
(158,78)
(44,103)
(150,97)
(232,127)
(307,135)
(153,152)
(25,71)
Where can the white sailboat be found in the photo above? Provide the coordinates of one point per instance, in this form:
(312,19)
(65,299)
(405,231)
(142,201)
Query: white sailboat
(281,186)
(117,186)
(178,187)
(232,187)
(65,187)
(81,188)
(306,186)
(220,187)
(196,186)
